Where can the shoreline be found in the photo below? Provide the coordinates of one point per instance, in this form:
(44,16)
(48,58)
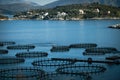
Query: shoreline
(115,18)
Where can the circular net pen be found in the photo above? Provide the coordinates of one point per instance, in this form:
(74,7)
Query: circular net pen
(7,43)
(20,47)
(59,49)
(32,54)
(115,57)
(3,51)
(51,62)
(21,74)
(83,45)
(56,76)
(1,45)
(81,69)
(11,60)
(99,51)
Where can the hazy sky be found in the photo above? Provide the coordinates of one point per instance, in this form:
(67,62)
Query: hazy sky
(42,2)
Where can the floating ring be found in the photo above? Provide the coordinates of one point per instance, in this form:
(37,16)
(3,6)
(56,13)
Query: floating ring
(21,74)
(83,45)
(56,76)
(7,43)
(59,49)
(3,51)
(99,50)
(10,60)
(80,69)
(31,54)
(51,62)
(21,47)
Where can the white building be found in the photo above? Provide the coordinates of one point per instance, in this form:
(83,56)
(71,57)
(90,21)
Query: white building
(63,14)
(108,12)
(81,11)
(96,10)
(59,14)
(29,12)
(46,14)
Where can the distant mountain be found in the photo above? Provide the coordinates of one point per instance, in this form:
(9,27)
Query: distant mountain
(67,2)
(10,1)
(7,7)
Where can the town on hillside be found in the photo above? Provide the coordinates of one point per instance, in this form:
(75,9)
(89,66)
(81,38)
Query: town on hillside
(71,12)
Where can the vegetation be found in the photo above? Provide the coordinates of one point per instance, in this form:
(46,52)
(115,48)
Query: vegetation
(72,12)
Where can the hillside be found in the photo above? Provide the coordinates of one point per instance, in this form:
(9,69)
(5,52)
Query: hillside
(72,12)
(68,2)
(12,8)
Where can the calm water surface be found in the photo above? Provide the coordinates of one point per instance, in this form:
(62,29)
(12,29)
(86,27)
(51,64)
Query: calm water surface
(43,34)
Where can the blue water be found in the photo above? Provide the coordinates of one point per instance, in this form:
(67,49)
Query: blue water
(43,34)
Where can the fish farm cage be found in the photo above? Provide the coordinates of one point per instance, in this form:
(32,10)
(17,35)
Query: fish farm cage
(99,51)
(51,62)
(89,60)
(113,57)
(7,43)
(21,74)
(1,45)
(57,76)
(83,45)
(32,54)
(81,69)
(59,49)
(20,47)
(11,60)
(3,51)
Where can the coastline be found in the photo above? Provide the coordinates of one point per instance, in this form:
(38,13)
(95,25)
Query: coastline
(75,19)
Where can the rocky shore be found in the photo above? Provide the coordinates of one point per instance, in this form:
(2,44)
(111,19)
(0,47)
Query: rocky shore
(116,26)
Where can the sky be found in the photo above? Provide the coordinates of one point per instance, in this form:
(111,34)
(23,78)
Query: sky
(42,2)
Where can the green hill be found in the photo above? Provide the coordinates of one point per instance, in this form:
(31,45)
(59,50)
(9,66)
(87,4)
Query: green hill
(72,12)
